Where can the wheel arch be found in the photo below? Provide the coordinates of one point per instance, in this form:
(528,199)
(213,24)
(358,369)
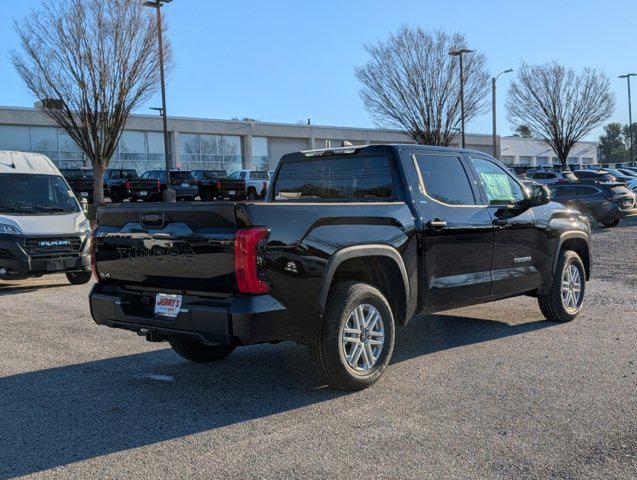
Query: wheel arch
(380,265)
(579,242)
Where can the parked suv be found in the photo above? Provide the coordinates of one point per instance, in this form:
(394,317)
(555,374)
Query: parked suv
(604,203)
(349,245)
(549,177)
(594,175)
(80,180)
(125,184)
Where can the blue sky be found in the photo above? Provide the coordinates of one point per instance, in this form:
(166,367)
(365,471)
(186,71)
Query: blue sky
(285,61)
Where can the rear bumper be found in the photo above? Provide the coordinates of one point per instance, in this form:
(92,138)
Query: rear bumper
(229,320)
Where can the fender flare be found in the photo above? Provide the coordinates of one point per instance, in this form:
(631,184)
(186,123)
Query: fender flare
(569,235)
(359,251)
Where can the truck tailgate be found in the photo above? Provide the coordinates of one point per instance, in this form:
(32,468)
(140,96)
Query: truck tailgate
(185,246)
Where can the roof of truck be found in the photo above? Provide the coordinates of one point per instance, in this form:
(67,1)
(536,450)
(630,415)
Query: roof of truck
(26,162)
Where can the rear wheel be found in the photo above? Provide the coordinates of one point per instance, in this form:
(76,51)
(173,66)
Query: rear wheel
(592,221)
(199,352)
(116,197)
(78,278)
(564,301)
(357,340)
(613,222)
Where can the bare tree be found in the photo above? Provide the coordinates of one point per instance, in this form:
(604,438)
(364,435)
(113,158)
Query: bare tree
(412,83)
(90,63)
(559,105)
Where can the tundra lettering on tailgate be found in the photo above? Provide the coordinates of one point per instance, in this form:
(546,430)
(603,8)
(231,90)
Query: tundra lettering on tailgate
(175,255)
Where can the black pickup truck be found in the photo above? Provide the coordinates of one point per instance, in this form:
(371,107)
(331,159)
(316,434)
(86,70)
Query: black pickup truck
(350,244)
(125,184)
(215,184)
(80,180)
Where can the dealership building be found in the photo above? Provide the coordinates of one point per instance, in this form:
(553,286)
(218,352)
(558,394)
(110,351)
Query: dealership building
(232,145)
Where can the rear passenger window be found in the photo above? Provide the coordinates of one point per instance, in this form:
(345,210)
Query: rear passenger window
(335,178)
(444,179)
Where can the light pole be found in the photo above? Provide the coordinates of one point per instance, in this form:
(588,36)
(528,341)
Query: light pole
(493,80)
(169,193)
(630,113)
(459,54)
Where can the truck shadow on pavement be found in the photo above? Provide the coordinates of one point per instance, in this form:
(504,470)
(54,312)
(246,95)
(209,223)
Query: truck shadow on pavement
(14,288)
(54,417)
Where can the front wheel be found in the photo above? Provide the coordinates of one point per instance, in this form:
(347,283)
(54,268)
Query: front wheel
(78,278)
(613,222)
(564,301)
(357,339)
(199,352)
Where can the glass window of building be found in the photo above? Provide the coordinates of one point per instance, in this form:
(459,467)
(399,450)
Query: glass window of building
(45,140)
(260,149)
(13,137)
(155,158)
(231,149)
(132,150)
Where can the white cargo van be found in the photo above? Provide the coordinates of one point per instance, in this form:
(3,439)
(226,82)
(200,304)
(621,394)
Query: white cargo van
(42,226)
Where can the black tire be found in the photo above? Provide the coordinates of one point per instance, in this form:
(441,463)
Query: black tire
(551,304)
(328,351)
(116,197)
(592,220)
(79,278)
(198,352)
(612,222)
(206,196)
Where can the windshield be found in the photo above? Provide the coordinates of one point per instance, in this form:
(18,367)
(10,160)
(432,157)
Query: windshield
(124,175)
(26,194)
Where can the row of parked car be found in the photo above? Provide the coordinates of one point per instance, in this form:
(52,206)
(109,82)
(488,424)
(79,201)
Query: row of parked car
(604,195)
(127,184)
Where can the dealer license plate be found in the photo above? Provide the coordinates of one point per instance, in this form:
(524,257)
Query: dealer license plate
(232,192)
(143,194)
(167,305)
(185,185)
(83,194)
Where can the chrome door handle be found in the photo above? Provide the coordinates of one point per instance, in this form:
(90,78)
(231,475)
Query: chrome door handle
(437,223)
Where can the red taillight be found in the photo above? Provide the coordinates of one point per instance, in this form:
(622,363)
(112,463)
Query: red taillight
(93,262)
(247,259)
(158,185)
(218,185)
(127,185)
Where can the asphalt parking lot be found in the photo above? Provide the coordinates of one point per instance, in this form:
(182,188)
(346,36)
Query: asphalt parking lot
(492,391)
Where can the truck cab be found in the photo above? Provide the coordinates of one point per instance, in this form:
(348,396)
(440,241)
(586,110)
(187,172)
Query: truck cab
(348,245)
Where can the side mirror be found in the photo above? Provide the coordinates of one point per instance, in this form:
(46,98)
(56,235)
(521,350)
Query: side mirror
(84,204)
(540,195)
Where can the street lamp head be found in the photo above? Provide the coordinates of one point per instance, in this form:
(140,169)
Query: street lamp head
(155,3)
(508,70)
(628,75)
(455,53)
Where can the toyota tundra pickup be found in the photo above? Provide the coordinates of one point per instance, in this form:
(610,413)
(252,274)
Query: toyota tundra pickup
(348,245)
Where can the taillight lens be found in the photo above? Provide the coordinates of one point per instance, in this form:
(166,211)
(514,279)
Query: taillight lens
(158,185)
(248,259)
(96,274)
(127,185)
(218,184)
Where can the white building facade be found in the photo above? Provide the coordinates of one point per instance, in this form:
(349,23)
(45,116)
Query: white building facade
(534,152)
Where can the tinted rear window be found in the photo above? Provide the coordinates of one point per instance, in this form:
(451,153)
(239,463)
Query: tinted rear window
(214,174)
(74,174)
(181,175)
(335,178)
(619,189)
(445,179)
(259,175)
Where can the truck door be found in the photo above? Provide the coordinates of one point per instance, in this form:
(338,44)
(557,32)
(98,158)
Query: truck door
(457,236)
(519,252)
